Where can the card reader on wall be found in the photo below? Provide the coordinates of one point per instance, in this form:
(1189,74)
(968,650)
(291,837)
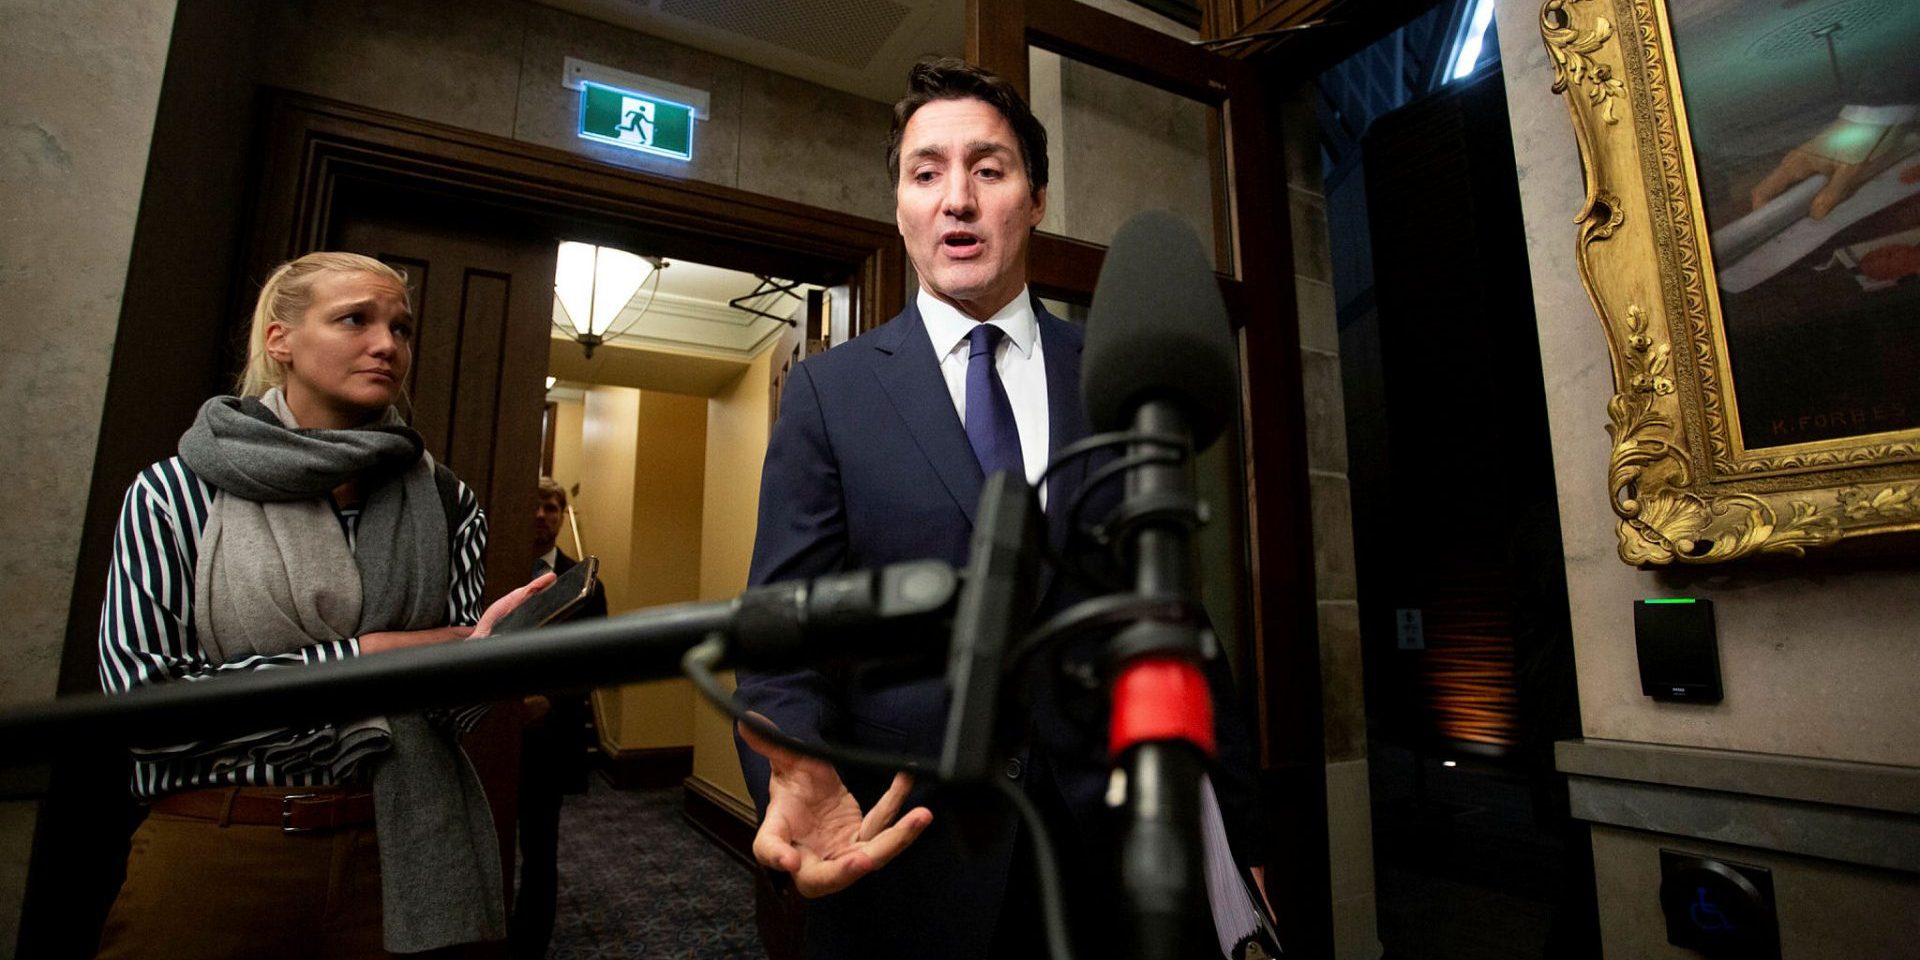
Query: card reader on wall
(1679,657)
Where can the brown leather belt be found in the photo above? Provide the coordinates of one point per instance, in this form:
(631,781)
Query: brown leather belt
(292,809)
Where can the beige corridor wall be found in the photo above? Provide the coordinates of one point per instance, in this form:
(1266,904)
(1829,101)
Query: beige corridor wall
(568,420)
(641,485)
(738,423)
(664,561)
(71,174)
(605,504)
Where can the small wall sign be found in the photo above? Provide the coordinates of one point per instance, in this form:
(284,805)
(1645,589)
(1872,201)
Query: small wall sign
(635,120)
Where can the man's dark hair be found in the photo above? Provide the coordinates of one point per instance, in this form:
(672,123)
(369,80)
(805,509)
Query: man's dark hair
(951,78)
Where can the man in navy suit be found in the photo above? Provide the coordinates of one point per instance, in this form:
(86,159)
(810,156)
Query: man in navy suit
(879,456)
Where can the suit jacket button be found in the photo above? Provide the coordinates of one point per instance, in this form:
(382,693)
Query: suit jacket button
(1013,768)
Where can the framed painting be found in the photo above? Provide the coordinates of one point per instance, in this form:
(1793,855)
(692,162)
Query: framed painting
(1750,239)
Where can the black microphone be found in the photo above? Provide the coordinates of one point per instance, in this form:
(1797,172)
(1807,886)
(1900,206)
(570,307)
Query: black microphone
(1159,332)
(1159,361)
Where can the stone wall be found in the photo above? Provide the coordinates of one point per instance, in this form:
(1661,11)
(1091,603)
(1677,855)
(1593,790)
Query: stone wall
(82,82)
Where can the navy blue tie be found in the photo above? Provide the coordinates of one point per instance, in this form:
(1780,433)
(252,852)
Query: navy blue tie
(990,425)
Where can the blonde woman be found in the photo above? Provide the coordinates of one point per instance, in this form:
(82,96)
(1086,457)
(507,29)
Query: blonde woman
(304,522)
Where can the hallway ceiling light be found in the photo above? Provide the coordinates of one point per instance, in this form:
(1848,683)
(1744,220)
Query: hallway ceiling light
(595,288)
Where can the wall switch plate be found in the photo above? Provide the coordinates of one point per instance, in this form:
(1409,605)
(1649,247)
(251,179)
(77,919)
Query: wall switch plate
(1679,655)
(1718,907)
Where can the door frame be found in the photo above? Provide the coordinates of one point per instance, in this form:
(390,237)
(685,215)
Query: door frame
(1283,657)
(311,144)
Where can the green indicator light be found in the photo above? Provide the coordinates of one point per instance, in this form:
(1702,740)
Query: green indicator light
(1671,600)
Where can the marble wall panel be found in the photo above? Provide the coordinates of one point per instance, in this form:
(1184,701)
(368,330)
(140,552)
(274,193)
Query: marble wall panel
(1355,925)
(1349,826)
(1343,706)
(1333,564)
(1300,141)
(458,65)
(1326,411)
(1319,317)
(1127,147)
(83,85)
(803,142)
(1312,248)
(1350,837)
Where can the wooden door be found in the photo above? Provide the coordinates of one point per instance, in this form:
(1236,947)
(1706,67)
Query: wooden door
(482,286)
(1278,661)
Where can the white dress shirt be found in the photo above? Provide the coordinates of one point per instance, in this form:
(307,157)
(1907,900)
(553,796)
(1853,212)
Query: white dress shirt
(1022,368)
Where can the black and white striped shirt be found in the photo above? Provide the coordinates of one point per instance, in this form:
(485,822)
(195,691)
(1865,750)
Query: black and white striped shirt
(147,633)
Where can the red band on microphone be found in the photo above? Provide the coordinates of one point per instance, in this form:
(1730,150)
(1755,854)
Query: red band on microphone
(1160,698)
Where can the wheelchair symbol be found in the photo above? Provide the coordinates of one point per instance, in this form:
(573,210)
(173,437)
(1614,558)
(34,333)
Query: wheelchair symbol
(1706,914)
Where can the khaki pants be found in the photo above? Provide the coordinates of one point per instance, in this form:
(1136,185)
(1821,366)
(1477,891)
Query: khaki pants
(198,889)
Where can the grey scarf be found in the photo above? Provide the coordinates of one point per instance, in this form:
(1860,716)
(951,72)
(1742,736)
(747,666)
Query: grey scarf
(275,575)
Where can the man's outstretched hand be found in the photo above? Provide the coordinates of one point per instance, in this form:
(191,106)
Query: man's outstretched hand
(814,829)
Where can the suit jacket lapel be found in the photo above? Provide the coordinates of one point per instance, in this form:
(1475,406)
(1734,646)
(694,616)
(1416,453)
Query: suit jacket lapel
(910,374)
(1066,418)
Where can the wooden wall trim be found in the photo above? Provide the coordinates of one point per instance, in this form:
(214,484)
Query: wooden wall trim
(1073,29)
(649,767)
(721,816)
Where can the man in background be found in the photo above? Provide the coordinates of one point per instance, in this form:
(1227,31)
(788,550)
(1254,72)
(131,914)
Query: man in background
(553,753)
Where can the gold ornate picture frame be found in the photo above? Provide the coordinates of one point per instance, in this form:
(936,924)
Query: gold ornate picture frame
(1756,270)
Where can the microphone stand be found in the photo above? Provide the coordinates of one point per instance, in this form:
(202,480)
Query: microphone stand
(845,614)
(1161,731)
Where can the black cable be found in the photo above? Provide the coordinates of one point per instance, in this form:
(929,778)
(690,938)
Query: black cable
(1097,613)
(1100,441)
(1053,908)
(1117,468)
(699,663)
(1068,559)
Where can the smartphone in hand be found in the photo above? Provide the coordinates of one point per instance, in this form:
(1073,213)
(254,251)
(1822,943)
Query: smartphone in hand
(555,603)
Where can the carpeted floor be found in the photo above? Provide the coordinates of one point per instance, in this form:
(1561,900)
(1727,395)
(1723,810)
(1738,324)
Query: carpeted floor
(637,881)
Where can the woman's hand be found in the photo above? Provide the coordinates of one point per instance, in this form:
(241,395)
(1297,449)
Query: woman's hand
(386,640)
(508,603)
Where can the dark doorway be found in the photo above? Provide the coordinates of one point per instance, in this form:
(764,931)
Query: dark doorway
(1466,638)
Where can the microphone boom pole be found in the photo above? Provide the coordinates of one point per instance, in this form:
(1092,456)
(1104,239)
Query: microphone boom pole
(838,614)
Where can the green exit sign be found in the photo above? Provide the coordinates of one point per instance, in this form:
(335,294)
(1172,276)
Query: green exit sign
(637,121)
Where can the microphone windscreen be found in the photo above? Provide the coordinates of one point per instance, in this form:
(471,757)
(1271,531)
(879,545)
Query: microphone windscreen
(1159,331)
